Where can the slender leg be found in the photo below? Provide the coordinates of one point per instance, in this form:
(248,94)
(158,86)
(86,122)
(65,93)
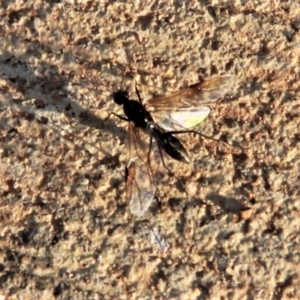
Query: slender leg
(138,94)
(172,174)
(119,116)
(136,90)
(202,135)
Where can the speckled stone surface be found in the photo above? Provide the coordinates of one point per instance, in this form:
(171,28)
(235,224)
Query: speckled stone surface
(65,228)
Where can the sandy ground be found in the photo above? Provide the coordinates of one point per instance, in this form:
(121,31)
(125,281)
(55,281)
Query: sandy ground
(66,231)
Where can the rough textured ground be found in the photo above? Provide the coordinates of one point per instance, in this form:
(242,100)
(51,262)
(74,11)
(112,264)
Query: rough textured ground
(65,228)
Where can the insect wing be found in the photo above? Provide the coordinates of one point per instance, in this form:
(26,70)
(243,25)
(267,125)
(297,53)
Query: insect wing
(181,119)
(140,185)
(204,92)
(185,109)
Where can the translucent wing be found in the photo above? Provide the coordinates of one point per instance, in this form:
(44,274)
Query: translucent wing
(140,185)
(184,118)
(184,109)
(204,92)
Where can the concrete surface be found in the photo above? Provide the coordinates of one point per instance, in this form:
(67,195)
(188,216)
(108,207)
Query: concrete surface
(65,228)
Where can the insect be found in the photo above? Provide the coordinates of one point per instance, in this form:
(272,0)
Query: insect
(136,113)
(140,181)
(161,118)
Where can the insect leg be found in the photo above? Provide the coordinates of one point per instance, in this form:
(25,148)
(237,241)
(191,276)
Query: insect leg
(202,135)
(138,94)
(119,116)
(172,174)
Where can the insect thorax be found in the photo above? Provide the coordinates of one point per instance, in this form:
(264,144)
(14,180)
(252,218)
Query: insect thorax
(136,113)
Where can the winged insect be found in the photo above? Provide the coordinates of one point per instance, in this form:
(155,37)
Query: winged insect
(161,118)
